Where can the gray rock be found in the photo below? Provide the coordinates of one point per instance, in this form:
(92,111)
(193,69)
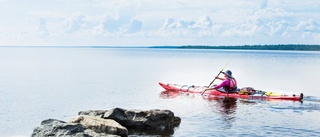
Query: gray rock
(57,128)
(144,122)
(96,113)
(100,125)
(150,120)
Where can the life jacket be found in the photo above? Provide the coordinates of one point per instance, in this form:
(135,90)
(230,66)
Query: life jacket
(232,87)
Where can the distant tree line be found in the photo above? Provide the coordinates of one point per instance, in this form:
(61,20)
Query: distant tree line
(258,47)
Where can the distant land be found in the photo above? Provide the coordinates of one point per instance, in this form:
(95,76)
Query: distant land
(296,47)
(300,47)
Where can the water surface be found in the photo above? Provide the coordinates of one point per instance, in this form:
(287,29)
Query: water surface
(42,83)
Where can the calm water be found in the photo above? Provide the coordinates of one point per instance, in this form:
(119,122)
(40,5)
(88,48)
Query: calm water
(42,83)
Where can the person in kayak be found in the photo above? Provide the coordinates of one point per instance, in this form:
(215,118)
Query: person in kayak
(229,83)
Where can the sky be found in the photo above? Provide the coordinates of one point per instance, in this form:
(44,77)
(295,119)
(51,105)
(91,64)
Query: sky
(158,22)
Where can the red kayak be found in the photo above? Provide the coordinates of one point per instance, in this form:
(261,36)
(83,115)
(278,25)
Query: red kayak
(255,94)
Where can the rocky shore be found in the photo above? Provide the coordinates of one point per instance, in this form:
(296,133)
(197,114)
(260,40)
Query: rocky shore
(114,122)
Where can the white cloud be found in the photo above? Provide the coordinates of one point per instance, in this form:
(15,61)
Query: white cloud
(74,24)
(266,23)
(176,21)
(181,27)
(133,27)
(271,22)
(309,26)
(309,29)
(121,25)
(203,23)
(113,24)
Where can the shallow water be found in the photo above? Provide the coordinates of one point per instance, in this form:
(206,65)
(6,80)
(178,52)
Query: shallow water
(42,83)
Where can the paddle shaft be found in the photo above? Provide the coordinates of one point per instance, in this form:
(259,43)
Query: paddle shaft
(216,77)
(219,73)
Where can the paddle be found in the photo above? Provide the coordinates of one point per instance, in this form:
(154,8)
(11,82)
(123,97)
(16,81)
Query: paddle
(215,77)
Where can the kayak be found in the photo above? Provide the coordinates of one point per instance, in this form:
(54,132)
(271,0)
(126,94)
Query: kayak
(255,94)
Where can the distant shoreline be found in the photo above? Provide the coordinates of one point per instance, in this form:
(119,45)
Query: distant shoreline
(291,47)
(295,47)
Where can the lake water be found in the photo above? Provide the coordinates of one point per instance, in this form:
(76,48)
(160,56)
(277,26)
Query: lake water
(41,83)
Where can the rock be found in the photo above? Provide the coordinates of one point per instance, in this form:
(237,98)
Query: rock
(100,125)
(115,122)
(150,120)
(53,127)
(95,113)
(146,122)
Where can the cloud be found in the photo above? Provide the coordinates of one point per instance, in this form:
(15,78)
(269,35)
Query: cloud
(264,22)
(133,27)
(78,25)
(199,21)
(74,24)
(121,25)
(42,29)
(311,25)
(186,27)
(275,26)
(203,23)
(113,24)
(309,29)
(271,22)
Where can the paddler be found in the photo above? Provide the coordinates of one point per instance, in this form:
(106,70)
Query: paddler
(229,83)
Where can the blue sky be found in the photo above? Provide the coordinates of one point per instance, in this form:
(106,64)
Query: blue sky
(158,22)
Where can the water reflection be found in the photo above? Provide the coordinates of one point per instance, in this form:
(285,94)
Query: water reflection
(226,107)
(169,94)
(174,94)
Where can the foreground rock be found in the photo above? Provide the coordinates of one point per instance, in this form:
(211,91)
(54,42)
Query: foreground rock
(147,122)
(100,125)
(55,128)
(115,122)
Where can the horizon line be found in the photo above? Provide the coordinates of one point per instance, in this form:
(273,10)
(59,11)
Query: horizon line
(151,46)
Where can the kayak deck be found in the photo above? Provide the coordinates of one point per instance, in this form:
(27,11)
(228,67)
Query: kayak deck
(258,95)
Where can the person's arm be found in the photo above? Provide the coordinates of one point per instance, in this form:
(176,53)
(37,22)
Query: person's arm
(220,78)
(219,86)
